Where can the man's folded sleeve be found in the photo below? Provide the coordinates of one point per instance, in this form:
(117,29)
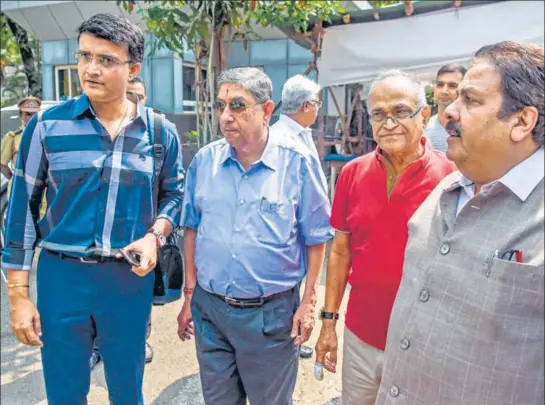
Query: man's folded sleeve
(191,217)
(27,188)
(314,208)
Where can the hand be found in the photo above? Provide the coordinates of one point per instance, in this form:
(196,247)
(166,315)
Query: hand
(303,321)
(146,248)
(186,329)
(326,347)
(25,321)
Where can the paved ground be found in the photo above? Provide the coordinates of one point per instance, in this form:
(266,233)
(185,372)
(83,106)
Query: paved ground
(171,379)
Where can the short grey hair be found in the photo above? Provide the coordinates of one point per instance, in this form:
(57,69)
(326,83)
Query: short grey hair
(386,74)
(251,79)
(297,91)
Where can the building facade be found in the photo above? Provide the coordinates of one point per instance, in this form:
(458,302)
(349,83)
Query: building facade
(168,78)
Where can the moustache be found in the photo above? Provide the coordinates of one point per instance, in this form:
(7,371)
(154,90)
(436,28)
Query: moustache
(453,128)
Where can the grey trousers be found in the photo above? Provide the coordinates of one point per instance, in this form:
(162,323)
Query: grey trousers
(246,353)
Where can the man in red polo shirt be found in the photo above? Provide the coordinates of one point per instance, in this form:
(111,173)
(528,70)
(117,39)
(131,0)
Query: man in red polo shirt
(375,196)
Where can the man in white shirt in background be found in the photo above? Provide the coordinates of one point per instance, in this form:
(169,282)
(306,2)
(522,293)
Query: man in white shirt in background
(300,107)
(445,92)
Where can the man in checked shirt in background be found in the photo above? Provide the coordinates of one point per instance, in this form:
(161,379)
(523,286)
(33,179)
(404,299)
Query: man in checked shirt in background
(95,154)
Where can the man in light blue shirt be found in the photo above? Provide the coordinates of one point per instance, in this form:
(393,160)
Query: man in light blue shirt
(252,201)
(445,92)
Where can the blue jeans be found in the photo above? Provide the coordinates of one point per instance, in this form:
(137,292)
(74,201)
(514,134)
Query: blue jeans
(74,298)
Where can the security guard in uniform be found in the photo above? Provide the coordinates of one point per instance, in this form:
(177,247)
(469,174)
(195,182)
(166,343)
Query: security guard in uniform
(28,106)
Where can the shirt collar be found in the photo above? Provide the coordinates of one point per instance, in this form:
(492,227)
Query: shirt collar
(269,157)
(521,179)
(291,124)
(82,105)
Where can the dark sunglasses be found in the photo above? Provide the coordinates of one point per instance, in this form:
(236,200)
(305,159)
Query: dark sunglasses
(26,114)
(236,106)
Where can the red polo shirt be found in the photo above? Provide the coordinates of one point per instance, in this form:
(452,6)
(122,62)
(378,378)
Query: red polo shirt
(378,228)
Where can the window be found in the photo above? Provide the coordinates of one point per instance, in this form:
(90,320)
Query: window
(189,93)
(66,82)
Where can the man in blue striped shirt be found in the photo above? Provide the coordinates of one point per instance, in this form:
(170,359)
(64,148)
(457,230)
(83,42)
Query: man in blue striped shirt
(95,155)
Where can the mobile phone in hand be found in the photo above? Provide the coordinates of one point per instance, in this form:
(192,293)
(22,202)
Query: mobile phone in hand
(131,257)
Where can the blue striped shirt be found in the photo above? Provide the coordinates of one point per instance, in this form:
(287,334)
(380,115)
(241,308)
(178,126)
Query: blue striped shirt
(99,191)
(252,225)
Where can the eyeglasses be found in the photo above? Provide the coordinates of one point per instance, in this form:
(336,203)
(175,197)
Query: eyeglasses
(236,106)
(316,103)
(26,114)
(105,61)
(399,114)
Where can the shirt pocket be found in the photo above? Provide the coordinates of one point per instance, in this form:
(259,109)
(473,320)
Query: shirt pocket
(520,287)
(274,222)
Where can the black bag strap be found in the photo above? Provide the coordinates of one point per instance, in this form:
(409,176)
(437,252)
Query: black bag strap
(158,154)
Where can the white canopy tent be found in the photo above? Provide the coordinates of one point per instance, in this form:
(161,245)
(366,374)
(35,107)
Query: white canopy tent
(355,53)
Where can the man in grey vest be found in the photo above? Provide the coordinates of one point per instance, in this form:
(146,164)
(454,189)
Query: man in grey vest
(467,327)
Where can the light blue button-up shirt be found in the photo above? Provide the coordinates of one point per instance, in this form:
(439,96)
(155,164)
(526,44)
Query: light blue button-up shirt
(436,134)
(252,225)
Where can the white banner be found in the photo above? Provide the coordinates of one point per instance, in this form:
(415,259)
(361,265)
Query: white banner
(355,53)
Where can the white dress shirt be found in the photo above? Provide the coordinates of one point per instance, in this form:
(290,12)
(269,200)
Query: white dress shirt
(288,126)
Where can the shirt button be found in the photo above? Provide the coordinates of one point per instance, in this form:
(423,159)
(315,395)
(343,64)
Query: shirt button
(245,177)
(444,249)
(405,343)
(241,201)
(233,256)
(394,390)
(237,229)
(424,296)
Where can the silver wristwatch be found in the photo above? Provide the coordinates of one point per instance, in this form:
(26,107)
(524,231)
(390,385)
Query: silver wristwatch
(161,239)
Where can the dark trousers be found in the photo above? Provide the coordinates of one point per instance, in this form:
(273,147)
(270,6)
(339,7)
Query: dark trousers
(76,298)
(246,353)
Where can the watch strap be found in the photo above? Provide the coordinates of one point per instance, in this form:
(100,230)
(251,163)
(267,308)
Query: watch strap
(329,315)
(161,239)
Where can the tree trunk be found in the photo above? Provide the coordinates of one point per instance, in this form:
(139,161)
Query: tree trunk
(27,55)
(198,91)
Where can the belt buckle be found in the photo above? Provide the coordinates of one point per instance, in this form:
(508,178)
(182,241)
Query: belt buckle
(87,260)
(231,301)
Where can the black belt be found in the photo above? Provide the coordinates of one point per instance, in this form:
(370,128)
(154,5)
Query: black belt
(88,259)
(249,302)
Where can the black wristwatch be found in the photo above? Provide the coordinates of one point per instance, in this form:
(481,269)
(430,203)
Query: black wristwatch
(328,315)
(161,239)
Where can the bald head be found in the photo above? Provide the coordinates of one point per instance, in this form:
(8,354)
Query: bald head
(402,82)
